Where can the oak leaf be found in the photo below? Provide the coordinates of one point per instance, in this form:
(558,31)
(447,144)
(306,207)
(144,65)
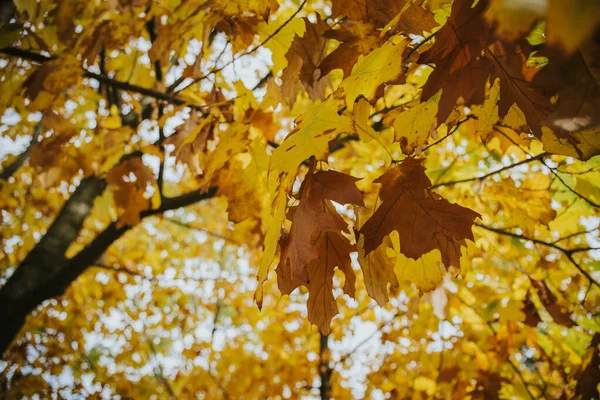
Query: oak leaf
(357,38)
(315,214)
(378,271)
(315,245)
(129,181)
(304,57)
(380,66)
(333,251)
(423,219)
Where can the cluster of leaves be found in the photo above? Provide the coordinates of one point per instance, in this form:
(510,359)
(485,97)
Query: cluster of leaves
(438,158)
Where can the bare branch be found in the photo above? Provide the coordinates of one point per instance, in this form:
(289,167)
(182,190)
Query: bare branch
(483,177)
(567,252)
(21,158)
(210,233)
(252,50)
(454,129)
(325,369)
(552,170)
(12,51)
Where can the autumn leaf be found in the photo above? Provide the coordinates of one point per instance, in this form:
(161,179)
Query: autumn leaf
(357,38)
(412,125)
(333,251)
(378,271)
(316,214)
(382,65)
(315,245)
(304,57)
(190,139)
(314,129)
(130,180)
(462,71)
(422,218)
(459,69)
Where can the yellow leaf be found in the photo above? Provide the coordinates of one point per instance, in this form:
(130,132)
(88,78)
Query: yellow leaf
(382,65)
(271,240)
(378,271)
(426,272)
(414,125)
(314,129)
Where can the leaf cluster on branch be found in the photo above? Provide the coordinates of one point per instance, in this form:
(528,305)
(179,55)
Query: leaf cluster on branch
(261,166)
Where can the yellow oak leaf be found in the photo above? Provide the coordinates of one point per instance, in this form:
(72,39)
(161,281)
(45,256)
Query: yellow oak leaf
(413,126)
(314,129)
(427,272)
(378,271)
(380,66)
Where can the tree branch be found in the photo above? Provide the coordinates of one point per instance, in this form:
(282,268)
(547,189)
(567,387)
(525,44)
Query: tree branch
(567,252)
(31,56)
(552,170)
(21,158)
(252,50)
(209,233)
(45,273)
(325,370)
(483,177)
(454,129)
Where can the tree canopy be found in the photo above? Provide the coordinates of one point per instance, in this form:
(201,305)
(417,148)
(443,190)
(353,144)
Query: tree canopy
(300,199)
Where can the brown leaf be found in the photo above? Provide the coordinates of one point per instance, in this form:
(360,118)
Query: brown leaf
(509,65)
(459,69)
(190,139)
(315,214)
(333,251)
(532,318)
(549,300)
(423,219)
(405,15)
(315,245)
(357,37)
(304,57)
(588,377)
(467,55)
(129,181)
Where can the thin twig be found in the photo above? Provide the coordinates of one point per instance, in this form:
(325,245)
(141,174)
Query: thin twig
(567,252)
(483,177)
(368,338)
(454,129)
(252,50)
(11,168)
(552,170)
(575,234)
(209,233)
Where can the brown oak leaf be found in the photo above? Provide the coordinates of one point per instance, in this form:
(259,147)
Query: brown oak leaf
(423,219)
(315,245)
(467,55)
(315,214)
(304,57)
(357,37)
(333,251)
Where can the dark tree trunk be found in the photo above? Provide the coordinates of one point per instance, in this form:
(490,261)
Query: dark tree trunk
(22,293)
